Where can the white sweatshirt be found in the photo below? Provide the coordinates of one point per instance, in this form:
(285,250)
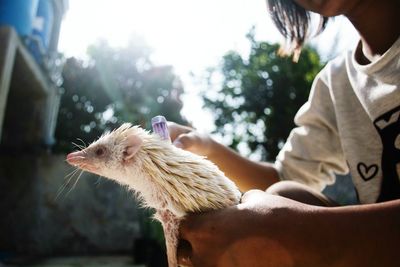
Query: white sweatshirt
(351,123)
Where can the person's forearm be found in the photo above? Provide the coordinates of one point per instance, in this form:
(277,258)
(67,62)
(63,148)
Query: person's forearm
(365,235)
(245,173)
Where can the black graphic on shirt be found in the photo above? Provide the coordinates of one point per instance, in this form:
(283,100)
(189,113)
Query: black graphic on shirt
(367,172)
(388,126)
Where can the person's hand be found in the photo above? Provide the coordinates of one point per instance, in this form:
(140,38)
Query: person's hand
(189,139)
(250,234)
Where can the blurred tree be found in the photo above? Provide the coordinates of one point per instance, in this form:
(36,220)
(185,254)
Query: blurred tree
(114,85)
(256,102)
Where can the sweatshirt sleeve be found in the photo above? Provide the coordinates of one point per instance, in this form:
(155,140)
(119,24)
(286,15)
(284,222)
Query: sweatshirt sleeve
(313,152)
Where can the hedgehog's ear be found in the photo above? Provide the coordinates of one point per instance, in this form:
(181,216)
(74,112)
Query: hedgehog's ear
(132,146)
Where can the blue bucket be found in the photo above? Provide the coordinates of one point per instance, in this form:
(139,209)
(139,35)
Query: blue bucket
(18,14)
(44,22)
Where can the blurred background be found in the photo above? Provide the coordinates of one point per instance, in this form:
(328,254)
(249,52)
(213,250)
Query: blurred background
(73,69)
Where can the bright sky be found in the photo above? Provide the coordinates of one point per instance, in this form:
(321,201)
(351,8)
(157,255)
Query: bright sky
(191,35)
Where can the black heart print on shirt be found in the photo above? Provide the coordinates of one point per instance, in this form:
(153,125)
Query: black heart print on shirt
(367,172)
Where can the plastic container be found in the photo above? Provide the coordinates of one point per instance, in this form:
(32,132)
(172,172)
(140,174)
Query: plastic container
(160,127)
(43,23)
(18,14)
(38,42)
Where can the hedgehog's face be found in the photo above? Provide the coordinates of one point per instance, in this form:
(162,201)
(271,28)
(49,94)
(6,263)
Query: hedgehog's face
(108,156)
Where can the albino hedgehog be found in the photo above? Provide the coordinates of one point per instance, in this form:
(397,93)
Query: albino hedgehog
(170,180)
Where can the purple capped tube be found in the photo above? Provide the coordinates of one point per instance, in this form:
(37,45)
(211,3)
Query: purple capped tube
(159,124)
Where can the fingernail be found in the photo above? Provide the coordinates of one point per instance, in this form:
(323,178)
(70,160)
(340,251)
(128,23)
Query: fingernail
(178,144)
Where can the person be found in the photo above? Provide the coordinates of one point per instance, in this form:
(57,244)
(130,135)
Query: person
(351,123)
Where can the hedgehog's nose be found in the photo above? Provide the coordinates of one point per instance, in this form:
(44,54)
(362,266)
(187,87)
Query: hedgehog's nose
(75,158)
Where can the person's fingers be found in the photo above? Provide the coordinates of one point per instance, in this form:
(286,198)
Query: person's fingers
(184,253)
(186,226)
(251,195)
(176,129)
(185,248)
(186,141)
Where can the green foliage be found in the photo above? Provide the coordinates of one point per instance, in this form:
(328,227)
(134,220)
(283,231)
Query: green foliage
(260,95)
(112,86)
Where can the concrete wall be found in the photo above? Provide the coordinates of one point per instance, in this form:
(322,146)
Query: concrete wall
(96,216)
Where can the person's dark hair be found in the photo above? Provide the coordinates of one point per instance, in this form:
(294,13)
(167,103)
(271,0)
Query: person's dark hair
(293,22)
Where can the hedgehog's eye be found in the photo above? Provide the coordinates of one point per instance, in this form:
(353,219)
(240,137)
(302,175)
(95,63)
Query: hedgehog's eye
(100,152)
